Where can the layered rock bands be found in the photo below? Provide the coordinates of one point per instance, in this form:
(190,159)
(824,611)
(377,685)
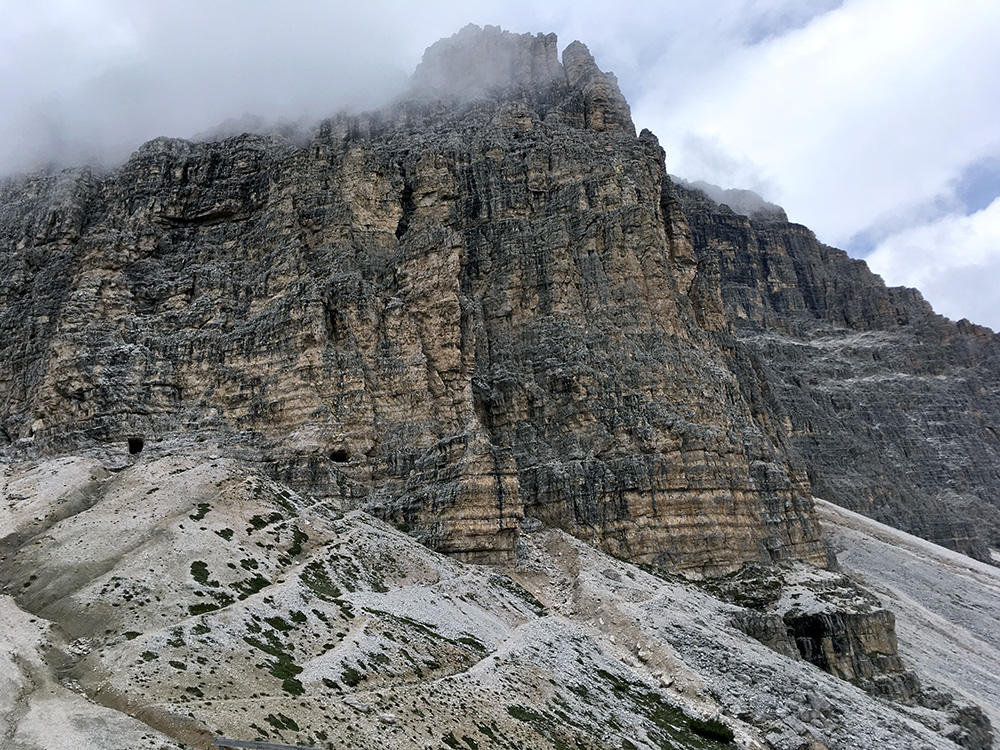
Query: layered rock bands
(477,306)
(893,409)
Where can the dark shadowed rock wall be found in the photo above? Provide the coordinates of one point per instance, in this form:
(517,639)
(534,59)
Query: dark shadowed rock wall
(893,408)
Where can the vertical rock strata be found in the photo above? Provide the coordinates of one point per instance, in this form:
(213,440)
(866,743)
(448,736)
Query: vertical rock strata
(893,408)
(479,304)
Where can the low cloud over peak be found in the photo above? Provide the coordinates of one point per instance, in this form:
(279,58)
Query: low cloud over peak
(844,112)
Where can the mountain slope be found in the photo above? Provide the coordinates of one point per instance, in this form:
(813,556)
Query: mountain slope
(946,605)
(204,599)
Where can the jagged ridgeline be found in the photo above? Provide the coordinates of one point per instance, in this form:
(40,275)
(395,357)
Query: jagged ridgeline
(488,303)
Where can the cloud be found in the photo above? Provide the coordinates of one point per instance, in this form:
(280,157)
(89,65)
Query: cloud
(870,108)
(954,261)
(89,80)
(725,167)
(92,80)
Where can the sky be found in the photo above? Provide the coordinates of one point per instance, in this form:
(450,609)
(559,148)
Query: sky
(876,123)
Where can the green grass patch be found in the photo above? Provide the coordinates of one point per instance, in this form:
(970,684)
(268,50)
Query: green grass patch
(298,537)
(351,677)
(283,666)
(221,598)
(259,522)
(281,722)
(199,572)
(672,727)
(279,623)
(713,729)
(201,512)
(316,579)
(549,727)
(513,587)
(525,714)
(250,586)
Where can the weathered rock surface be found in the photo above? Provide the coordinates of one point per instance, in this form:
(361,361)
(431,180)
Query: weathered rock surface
(892,407)
(453,312)
(191,597)
(823,618)
(486,315)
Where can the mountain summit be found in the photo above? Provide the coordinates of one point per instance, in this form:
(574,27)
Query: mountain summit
(461,423)
(488,61)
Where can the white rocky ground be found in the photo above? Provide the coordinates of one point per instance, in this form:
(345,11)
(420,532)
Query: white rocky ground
(947,605)
(201,599)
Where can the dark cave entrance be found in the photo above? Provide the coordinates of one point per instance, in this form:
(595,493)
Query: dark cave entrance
(340,456)
(135,445)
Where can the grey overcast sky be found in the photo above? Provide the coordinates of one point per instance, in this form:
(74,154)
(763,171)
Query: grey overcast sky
(874,122)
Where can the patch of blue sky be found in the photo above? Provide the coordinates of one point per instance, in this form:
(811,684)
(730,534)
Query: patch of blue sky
(978,185)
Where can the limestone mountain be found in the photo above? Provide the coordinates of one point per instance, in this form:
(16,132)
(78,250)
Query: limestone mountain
(893,409)
(267,401)
(453,313)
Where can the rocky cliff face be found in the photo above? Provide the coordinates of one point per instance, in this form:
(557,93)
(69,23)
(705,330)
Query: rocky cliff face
(893,408)
(486,315)
(456,312)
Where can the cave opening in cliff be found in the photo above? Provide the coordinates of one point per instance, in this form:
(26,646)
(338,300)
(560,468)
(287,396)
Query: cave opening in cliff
(340,455)
(135,445)
(409,207)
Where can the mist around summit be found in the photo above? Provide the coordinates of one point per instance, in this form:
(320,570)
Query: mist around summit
(864,120)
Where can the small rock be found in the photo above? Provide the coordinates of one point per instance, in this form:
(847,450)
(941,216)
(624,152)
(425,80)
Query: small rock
(529,524)
(819,703)
(357,705)
(387,718)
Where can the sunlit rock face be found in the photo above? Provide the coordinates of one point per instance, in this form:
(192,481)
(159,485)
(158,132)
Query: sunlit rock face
(478,304)
(892,407)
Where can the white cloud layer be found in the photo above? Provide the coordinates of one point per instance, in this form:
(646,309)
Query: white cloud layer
(954,262)
(870,109)
(858,116)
